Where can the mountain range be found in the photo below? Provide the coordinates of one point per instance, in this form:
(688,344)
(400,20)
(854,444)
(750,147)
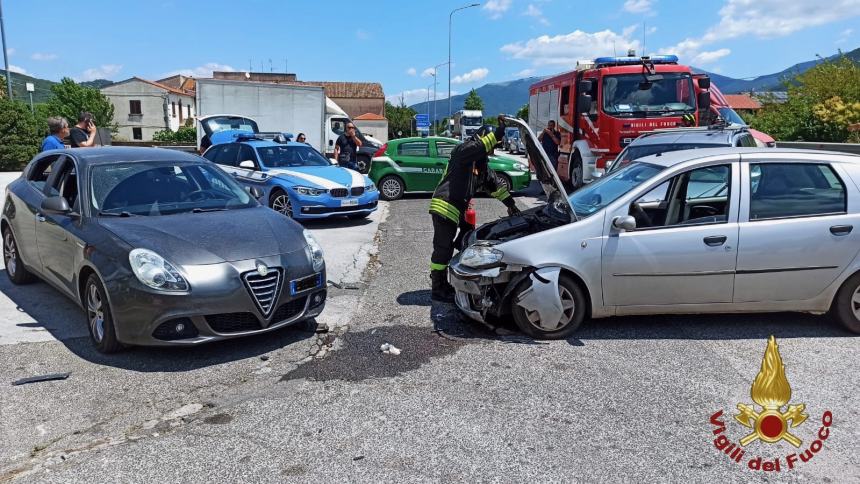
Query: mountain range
(510,96)
(41,87)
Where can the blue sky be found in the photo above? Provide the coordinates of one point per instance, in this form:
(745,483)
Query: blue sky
(394,42)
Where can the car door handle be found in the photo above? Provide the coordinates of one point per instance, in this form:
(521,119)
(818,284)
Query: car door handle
(40,217)
(841,229)
(715,240)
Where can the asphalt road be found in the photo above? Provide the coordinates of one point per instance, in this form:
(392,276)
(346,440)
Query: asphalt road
(625,399)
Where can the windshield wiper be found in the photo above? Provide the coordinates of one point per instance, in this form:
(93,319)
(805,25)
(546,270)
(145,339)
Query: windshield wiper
(116,214)
(201,210)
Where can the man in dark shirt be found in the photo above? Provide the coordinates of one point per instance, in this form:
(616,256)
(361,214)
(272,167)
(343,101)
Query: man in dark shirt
(346,148)
(83,134)
(550,138)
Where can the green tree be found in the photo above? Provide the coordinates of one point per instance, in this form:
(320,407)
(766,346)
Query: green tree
(523,112)
(400,118)
(473,101)
(70,98)
(820,106)
(21,134)
(2,86)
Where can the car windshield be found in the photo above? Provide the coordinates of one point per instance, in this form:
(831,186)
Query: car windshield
(291,156)
(470,121)
(731,116)
(591,198)
(632,95)
(161,188)
(633,152)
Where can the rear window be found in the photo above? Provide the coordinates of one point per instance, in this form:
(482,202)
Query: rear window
(414,148)
(781,190)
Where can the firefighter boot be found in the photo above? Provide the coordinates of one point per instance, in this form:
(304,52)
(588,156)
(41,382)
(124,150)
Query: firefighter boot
(441,290)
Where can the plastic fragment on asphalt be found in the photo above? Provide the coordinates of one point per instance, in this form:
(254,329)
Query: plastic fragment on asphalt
(264,358)
(389,349)
(41,378)
(358,457)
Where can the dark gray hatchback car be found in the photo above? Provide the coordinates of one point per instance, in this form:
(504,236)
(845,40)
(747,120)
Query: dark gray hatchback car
(159,247)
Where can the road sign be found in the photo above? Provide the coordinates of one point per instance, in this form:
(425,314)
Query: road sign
(422,121)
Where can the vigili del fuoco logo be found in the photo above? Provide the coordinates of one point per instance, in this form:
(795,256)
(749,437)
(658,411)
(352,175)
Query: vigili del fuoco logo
(771,420)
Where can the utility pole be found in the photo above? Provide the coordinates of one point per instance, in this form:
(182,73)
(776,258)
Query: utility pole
(450,20)
(5,54)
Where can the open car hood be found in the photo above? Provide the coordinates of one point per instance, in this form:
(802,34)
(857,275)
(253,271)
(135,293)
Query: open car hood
(545,173)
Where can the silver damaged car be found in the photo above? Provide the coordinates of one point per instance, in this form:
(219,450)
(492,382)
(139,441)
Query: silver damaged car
(725,230)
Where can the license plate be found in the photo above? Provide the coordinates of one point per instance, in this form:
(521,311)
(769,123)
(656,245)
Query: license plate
(349,203)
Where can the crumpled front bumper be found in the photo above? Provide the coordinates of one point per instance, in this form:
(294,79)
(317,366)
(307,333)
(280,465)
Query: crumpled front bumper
(472,286)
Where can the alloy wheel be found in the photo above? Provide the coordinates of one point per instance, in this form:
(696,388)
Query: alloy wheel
(10,253)
(855,303)
(568,309)
(391,188)
(282,205)
(95,313)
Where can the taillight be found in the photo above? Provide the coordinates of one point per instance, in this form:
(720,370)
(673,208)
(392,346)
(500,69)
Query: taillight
(381,150)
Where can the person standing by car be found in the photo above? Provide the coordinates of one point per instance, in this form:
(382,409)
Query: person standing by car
(59,129)
(346,148)
(83,134)
(467,172)
(301,138)
(550,138)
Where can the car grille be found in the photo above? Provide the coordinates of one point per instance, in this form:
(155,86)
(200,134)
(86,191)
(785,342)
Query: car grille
(357,191)
(338,192)
(289,310)
(264,289)
(233,322)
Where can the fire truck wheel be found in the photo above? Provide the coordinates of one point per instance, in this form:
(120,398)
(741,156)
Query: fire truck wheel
(575,168)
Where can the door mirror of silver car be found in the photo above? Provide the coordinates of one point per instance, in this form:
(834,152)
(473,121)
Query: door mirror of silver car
(248,164)
(625,222)
(56,205)
(255,192)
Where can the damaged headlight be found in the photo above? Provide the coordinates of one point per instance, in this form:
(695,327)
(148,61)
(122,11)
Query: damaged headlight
(481,257)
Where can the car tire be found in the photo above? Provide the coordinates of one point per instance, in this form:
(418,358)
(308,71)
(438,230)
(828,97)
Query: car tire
(846,305)
(362,165)
(391,187)
(279,201)
(572,295)
(15,269)
(504,180)
(99,317)
(575,171)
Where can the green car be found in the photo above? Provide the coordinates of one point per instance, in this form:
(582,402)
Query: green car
(416,165)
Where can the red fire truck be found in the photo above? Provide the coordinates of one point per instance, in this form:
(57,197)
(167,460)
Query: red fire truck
(603,105)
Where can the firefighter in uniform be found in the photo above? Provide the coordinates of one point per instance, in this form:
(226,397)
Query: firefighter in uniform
(467,173)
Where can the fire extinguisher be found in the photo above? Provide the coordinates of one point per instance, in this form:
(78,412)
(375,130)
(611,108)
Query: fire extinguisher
(471,215)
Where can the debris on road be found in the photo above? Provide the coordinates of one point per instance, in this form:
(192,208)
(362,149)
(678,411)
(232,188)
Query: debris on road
(358,457)
(389,349)
(41,378)
(264,358)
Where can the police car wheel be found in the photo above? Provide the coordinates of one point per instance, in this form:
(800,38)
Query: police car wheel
(279,201)
(391,187)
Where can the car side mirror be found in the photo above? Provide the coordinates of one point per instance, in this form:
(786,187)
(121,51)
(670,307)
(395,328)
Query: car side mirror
(255,191)
(56,205)
(247,164)
(704,100)
(625,223)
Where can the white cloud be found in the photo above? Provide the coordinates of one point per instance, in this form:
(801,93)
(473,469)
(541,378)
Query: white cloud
(427,72)
(411,71)
(639,6)
(17,69)
(471,76)
(525,73)
(361,34)
(104,71)
(497,8)
(844,36)
(533,11)
(40,56)
(566,49)
(201,71)
(709,57)
(762,19)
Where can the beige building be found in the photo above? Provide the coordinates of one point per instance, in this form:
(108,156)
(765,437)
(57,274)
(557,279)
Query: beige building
(142,107)
(373,124)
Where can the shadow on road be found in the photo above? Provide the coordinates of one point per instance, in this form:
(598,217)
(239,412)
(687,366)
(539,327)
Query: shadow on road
(65,321)
(420,297)
(335,223)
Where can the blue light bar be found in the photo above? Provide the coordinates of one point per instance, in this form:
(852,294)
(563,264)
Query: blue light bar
(626,61)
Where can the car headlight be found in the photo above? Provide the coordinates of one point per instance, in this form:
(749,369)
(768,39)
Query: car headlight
(152,270)
(481,257)
(315,251)
(370,188)
(522,167)
(314,192)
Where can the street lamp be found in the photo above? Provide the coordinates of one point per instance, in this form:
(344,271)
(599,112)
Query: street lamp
(450,19)
(435,110)
(5,55)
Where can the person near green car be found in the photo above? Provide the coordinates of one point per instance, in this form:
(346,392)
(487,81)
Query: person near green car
(416,165)
(466,173)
